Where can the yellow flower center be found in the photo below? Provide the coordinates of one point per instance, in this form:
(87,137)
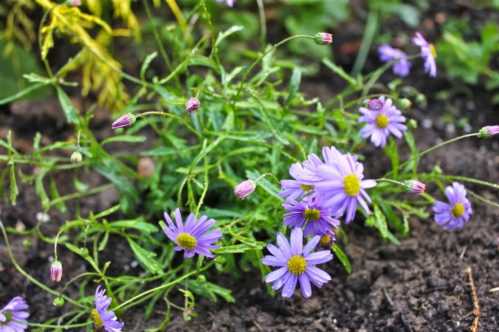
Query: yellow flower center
(458,210)
(297,265)
(382,121)
(94,314)
(312,214)
(186,241)
(306,187)
(433,51)
(352,185)
(325,240)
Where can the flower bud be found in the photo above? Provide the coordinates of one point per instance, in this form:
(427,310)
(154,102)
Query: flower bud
(192,104)
(56,271)
(145,168)
(416,187)
(323,38)
(244,189)
(124,121)
(76,157)
(405,103)
(488,131)
(74,3)
(375,104)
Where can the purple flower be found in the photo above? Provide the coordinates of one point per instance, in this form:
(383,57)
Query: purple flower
(310,214)
(376,104)
(296,264)
(488,131)
(416,187)
(56,271)
(194,237)
(229,3)
(402,66)
(244,189)
(13,316)
(192,104)
(104,319)
(124,121)
(304,176)
(428,53)
(323,38)
(380,124)
(342,186)
(455,214)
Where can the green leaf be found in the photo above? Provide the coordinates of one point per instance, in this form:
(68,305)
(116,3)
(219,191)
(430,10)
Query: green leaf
(341,73)
(67,106)
(124,139)
(22,93)
(210,290)
(391,151)
(14,191)
(146,64)
(138,224)
(227,33)
(146,257)
(342,257)
(239,248)
(294,84)
(378,220)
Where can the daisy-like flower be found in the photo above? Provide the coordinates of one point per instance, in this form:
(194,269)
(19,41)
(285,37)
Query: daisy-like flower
(103,318)
(380,124)
(455,214)
(296,264)
(304,176)
(311,215)
(402,66)
(342,186)
(428,53)
(195,237)
(13,316)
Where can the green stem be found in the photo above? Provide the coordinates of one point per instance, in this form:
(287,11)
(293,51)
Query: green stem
(453,140)
(64,327)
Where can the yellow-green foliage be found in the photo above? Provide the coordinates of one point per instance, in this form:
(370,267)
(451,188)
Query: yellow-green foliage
(18,26)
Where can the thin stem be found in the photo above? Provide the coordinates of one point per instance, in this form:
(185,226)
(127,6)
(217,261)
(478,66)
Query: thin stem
(482,199)
(162,50)
(64,327)
(452,140)
(263,22)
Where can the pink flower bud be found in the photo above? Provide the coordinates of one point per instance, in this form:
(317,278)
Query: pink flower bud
(124,121)
(375,104)
(75,3)
(488,131)
(244,189)
(323,38)
(56,271)
(416,187)
(192,104)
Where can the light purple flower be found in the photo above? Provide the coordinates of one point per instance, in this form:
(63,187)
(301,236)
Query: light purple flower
(455,214)
(304,176)
(56,271)
(342,186)
(192,104)
(311,215)
(124,121)
(428,53)
(13,317)
(402,66)
(103,318)
(380,124)
(376,104)
(296,264)
(416,187)
(488,131)
(323,38)
(244,189)
(195,237)
(229,3)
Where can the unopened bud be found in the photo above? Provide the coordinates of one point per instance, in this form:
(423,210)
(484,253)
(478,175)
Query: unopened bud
(488,131)
(56,271)
(192,104)
(124,121)
(74,3)
(405,103)
(76,157)
(375,104)
(323,38)
(416,187)
(244,189)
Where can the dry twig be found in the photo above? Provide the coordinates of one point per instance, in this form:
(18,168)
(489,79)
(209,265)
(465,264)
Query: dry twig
(476,304)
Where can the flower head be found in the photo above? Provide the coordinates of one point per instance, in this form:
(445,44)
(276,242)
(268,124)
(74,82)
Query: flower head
(416,187)
(323,38)
(379,125)
(311,215)
(428,53)
(342,185)
(457,212)
(124,121)
(56,271)
(229,3)
(13,316)
(402,66)
(195,237)
(192,104)
(103,318)
(296,264)
(304,176)
(244,189)
(488,131)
